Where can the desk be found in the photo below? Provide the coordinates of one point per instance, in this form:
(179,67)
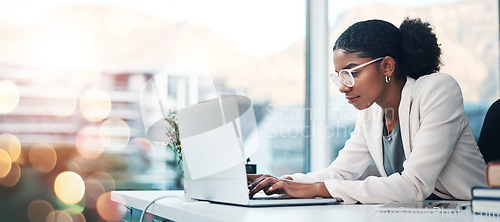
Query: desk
(180,209)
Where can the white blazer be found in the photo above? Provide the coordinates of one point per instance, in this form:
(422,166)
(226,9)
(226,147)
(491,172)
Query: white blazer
(442,156)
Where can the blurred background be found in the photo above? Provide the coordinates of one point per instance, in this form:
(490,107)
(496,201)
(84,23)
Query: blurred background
(74,97)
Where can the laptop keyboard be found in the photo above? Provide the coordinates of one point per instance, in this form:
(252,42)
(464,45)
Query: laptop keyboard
(276,197)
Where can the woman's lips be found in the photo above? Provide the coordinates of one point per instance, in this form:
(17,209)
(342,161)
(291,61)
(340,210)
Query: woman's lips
(352,100)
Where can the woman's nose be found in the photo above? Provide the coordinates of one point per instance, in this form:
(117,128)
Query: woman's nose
(343,88)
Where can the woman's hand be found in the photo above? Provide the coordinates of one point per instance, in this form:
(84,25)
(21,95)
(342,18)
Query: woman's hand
(279,185)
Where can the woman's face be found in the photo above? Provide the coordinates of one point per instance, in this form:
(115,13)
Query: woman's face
(369,81)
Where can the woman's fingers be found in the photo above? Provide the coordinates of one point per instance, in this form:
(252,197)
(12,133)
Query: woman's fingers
(257,185)
(255,179)
(252,177)
(262,183)
(273,185)
(275,188)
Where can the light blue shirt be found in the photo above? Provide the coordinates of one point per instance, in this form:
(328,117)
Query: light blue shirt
(394,155)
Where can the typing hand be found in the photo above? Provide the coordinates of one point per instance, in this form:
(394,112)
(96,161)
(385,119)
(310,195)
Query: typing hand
(278,185)
(264,182)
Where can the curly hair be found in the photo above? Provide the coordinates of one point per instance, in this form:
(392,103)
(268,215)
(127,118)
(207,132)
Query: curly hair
(413,46)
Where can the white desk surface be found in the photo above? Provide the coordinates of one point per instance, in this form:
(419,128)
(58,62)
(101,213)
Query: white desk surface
(181,209)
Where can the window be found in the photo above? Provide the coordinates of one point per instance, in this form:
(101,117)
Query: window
(76,70)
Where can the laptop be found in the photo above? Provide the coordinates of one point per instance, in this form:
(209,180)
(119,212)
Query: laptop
(230,187)
(214,151)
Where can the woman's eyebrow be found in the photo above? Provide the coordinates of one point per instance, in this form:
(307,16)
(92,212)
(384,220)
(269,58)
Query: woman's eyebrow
(351,65)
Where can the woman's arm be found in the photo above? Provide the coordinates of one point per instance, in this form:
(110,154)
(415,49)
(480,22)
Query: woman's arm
(351,162)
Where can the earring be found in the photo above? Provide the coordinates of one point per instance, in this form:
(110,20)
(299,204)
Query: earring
(387,79)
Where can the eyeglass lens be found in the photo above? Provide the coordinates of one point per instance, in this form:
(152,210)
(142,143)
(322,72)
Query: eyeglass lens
(344,77)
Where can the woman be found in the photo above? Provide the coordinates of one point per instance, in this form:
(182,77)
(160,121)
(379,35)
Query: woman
(411,123)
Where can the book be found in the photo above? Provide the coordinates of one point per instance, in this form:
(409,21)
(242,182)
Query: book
(485,201)
(493,174)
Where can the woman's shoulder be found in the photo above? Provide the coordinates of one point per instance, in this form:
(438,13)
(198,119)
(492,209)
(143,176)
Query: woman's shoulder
(435,77)
(437,85)
(436,82)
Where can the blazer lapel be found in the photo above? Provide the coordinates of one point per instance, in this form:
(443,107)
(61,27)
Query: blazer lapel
(374,124)
(404,114)
(373,137)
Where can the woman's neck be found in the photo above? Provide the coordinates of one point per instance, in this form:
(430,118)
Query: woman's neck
(391,99)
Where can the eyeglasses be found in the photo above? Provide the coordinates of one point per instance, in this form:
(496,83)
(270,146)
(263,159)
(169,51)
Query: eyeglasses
(345,75)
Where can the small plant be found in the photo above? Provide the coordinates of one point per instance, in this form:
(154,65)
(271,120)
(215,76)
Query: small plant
(173,134)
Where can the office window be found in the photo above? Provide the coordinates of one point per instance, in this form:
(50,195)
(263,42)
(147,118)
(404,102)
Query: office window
(71,76)
(468,34)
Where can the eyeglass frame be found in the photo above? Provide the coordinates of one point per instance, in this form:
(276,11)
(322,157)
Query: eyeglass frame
(349,71)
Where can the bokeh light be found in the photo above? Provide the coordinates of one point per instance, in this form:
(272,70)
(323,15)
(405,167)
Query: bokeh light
(78,207)
(5,163)
(11,144)
(110,210)
(61,102)
(59,216)
(95,105)
(89,143)
(120,22)
(93,190)
(69,187)
(13,177)
(76,216)
(73,167)
(89,75)
(105,179)
(9,96)
(146,148)
(115,132)
(42,157)
(38,210)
